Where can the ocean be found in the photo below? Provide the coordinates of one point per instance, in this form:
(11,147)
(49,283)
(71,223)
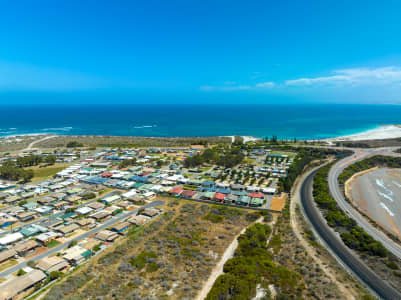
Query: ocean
(284,121)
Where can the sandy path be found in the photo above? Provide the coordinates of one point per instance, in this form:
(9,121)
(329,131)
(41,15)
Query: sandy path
(38,141)
(346,292)
(218,269)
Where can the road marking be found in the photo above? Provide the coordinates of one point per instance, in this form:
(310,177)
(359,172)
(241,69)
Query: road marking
(387,209)
(385,196)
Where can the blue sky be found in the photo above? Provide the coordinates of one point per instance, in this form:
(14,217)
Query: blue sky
(200,51)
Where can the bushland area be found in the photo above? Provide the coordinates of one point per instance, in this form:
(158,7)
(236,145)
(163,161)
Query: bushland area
(129,141)
(169,258)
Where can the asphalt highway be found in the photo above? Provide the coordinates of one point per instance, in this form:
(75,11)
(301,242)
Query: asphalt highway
(59,247)
(343,253)
(337,194)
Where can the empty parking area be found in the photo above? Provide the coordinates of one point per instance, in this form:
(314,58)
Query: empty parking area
(378,194)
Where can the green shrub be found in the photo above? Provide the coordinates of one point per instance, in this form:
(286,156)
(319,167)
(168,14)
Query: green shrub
(213,218)
(140,261)
(252,265)
(392,265)
(352,235)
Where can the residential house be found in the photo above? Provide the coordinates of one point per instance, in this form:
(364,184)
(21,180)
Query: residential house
(21,283)
(26,216)
(106,236)
(67,229)
(76,254)
(50,264)
(46,237)
(150,212)
(120,227)
(138,220)
(7,254)
(11,238)
(6,220)
(84,222)
(95,205)
(101,215)
(84,210)
(26,247)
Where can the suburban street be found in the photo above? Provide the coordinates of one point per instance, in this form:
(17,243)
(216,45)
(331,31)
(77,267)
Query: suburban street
(336,170)
(59,247)
(43,220)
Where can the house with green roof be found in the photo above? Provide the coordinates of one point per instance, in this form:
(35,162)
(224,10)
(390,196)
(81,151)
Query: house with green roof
(32,230)
(30,205)
(256,202)
(208,195)
(137,185)
(243,200)
(74,191)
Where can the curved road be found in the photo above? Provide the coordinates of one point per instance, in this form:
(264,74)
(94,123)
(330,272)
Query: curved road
(365,274)
(337,194)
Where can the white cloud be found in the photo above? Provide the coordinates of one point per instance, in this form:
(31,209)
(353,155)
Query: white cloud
(267,84)
(237,88)
(355,76)
(208,88)
(230,86)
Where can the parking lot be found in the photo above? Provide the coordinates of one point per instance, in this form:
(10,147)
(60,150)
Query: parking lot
(378,194)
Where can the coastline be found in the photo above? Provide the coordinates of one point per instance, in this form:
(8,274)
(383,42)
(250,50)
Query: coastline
(379,132)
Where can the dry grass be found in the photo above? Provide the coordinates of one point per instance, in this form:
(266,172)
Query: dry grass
(278,203)
(43,173)
(8,264)
(184,246)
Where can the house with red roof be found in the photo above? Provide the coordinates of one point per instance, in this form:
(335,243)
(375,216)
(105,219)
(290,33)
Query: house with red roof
(256,195)
(187,194)
(219,197)
(176,191)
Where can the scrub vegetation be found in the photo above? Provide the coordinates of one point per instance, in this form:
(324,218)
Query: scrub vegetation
(169,258)
(129,141)
(251,266)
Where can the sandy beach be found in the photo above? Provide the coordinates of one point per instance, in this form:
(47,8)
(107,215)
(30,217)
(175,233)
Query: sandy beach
(382,132)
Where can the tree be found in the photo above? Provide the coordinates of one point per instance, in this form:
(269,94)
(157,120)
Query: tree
(31,263)
(74,144)
(21,272)
(27,175)
(72,244)
(55,275)
(127,163)
(50,159)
